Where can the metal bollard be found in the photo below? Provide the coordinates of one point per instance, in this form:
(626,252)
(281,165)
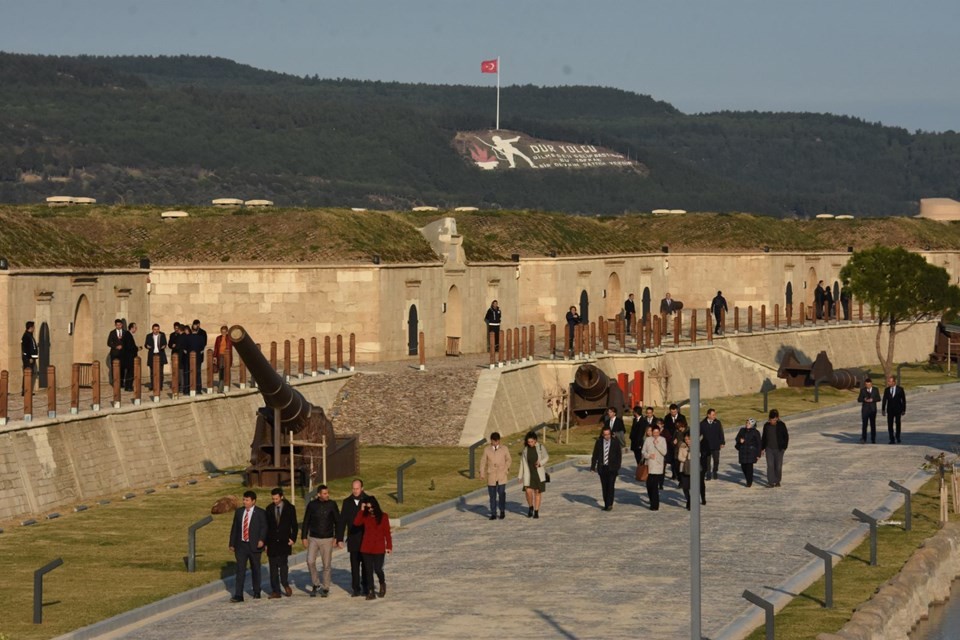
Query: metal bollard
(767,610)
(473,447)
(870,520)
(827,572)
(191,558)
(400,471)
(907,520)
(38,588)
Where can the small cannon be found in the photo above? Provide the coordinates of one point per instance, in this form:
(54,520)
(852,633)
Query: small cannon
(592,393)
(805,375)
(287,415)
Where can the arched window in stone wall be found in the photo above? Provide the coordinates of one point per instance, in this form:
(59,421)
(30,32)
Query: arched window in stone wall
(413,330)
(584,307)
(789,293)
(83,331)
(43,343)
(645,299)
(615,297)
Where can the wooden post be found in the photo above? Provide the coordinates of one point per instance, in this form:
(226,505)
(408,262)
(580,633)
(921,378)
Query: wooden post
(593,337)
(750,318)
(657,332)
(693,328)
(516,344)
(523,343)
(763,317)
(648,328)
(723,321)
(508,357)
(676,330)
(503,344)
(567,340)
(115,366)
(802,314)
(491,347)
(709,327)
(622,336)
(192,379)
(211,365)
(635,323)
(137,381)
(604,336)
(789,315)
(4,396)
(326,354)
(776,316)
(313,356)
(422,349)
(156,382)
(339,353)
(287,360)
(227,366)
(51,391)
(273,355)
(553,341)
(301,358)
(531,336)
(74,389)
(174,375)
(353,352)
(736,320)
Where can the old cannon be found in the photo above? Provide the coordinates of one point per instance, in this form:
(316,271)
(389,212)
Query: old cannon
(592,393)
(288,415)
(798,374)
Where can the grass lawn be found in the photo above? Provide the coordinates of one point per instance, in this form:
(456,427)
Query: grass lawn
(130,553)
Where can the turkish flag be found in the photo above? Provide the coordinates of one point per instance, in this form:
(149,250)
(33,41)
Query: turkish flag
(488,66)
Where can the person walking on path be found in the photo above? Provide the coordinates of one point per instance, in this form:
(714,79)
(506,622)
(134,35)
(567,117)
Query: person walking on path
(719,307)
(684,457)
(282,527)
(348,512)
(894,406)
(869,398)
(533,475)
(492,320)
(655,453)
(712,431)
(376,542)
(248,536)
(494,467)
(321,521)
(748,447)
(773,443)
(606,460)
(636,433)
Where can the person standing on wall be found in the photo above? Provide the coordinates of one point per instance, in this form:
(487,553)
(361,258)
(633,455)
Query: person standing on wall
(894,406)
(30,354)
(117,341)
(281,534)
(573,319)
(629,312)
(719,307)
(130,349)
(221,347)
(200,345)
(869,398)
(248,536)
(155,344)
(773,444)
(606,460)
(492,319)
(818,297)
(494,467)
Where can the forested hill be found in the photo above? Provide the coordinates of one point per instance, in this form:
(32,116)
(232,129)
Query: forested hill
(186,129)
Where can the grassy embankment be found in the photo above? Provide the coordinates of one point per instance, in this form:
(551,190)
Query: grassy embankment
(129,553)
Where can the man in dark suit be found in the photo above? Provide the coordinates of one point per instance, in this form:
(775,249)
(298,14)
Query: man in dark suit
(281,533)
(248,536)
(869,398)
(667,305)
(130,349)
(669,433)
(607,456)
(637,430)
(629,312)
(719,307)
(818,296)
(29,354)
(573,319)
(894,406)
(155,345)
(615,423)
(200,345)
(349,511)
(712,431)
(119,343)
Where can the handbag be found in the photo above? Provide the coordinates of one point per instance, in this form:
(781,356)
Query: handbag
(547,477)
(643,472)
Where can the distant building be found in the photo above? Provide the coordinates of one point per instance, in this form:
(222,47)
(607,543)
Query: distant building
(259,203)
(825,216)
(426,209)
(943,209)
(84,201)
(227,202)
(466,209)
(173,215)
(60,201)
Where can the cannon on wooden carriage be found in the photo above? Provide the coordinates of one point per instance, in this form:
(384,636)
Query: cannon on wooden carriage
(592,393)
(287,414)
(798,374)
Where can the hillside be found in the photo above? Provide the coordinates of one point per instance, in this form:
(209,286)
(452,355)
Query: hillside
(184,130)
(115,236)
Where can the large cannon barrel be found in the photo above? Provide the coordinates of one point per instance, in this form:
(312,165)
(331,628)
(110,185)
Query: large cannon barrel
(590,382)
(294,409)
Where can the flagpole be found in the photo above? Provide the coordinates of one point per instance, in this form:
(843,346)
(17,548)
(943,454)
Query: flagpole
(498,93)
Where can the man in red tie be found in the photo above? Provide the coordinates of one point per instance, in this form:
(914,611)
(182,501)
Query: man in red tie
(248,536)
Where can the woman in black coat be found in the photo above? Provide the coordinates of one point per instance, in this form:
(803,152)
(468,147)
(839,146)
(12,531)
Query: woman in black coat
(748,445)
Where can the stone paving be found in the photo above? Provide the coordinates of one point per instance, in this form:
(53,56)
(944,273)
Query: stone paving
(579,572)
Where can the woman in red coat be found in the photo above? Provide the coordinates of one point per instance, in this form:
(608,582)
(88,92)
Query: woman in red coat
(376,542)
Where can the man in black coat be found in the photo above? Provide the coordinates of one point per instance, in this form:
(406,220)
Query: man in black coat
(629,311)
(29,354)
(869,398)
(818,296)
(492,319)
(200,345)
(155,344)
(248,537)
(321,522)
(130,349)
(637,430)
(281,533)
(719,307)
(606,460)
(712,431)
(773,444)
(894,406)
(669,433)
(354,534)
(119,341)
(615,423)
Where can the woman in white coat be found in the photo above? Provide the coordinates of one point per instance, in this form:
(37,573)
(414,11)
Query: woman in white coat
(533,474)
(654,453)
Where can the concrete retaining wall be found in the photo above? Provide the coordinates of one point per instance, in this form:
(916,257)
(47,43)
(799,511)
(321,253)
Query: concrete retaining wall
(49,464)
(900,603)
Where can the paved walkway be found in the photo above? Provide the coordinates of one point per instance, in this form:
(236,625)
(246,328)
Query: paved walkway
(579,572)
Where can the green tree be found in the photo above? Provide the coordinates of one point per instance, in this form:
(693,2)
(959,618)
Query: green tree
(902,287)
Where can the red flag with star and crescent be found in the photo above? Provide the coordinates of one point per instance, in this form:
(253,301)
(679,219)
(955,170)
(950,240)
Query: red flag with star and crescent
(488,66)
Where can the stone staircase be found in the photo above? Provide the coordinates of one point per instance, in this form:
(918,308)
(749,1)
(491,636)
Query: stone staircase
(406,407)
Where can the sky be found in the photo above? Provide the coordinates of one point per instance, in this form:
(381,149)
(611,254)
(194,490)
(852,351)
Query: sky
(895,62)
